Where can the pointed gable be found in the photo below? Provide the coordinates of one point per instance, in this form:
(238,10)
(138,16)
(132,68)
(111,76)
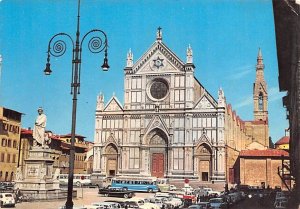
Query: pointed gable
(157,122)
(205,102)
(159,58)
(113,105)
(255,146)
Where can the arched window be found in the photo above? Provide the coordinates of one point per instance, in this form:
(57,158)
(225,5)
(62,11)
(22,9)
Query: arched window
(9,143)
(260,101)
(6,176)
(14,144)
(3,143)
(11,176)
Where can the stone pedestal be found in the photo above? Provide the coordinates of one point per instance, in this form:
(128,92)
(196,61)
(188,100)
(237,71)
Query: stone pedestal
(38,179)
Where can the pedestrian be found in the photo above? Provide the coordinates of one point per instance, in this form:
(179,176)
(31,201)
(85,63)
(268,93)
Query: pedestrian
(18,195)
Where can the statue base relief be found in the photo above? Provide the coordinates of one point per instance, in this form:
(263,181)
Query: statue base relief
(38,179)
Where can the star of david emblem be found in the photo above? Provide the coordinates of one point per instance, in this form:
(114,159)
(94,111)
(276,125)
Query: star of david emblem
(158,62)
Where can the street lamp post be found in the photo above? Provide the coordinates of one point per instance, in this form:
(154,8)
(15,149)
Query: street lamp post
(57,47)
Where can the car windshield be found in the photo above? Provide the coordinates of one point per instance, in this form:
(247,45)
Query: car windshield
(8,195)
(202,203)
(215,201)
(194,207)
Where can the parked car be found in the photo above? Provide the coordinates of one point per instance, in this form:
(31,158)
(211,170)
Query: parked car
(74,207)
(120,202)
(115,192)
(6,185)
(195,207)
(280,202)
(204,205)
(107,205)
(172,187)
(7,199)
(209,191)
(187,189)
(132,204)
(217,203)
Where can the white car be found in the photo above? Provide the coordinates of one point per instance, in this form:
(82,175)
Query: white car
(208,191)
(172,187)
(107,205)
(187,189)
(7,199)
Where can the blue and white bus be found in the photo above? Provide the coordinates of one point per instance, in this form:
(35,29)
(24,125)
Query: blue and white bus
(135,184)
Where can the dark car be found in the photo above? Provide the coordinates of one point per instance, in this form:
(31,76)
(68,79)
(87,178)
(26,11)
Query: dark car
(115,192)
(6,185)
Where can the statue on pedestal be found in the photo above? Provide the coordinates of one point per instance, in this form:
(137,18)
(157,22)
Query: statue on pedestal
(19,174)
(39,129)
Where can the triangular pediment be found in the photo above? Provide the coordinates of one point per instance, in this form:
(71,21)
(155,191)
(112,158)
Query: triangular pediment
(113,105)
(255,146)
(205,102)
(158,59)
(203,139)
(157,123)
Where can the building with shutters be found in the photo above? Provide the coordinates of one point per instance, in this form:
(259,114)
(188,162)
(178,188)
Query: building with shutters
(10,130)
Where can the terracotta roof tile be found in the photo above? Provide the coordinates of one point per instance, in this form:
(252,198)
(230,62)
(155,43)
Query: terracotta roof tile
(283,140)
(264,153)
(26,132)
(69,136)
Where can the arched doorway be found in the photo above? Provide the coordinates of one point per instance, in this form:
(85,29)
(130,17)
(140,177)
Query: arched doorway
(204,156)
(111,153)
(158,152)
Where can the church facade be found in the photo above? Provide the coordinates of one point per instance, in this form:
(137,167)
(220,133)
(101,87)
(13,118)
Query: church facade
(169,126)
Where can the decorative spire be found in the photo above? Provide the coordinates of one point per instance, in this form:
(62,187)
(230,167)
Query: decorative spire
(159,34)
(221,98)
(129,59)
(260,63)
(189,54)
(100,102)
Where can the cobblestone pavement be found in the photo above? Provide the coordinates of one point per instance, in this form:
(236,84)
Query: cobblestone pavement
(85,196)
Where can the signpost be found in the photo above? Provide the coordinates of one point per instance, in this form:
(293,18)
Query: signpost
(82,178)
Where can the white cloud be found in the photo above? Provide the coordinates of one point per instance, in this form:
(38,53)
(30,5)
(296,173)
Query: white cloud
(246,101)
(273,95)
(240,72)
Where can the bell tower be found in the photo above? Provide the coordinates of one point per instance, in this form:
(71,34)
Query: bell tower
(260,93)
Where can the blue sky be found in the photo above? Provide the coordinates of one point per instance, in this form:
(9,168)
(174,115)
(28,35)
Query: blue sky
(224,35)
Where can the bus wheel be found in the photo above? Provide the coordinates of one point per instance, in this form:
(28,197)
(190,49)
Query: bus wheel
(125,188)
(150,190)
(125,195)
